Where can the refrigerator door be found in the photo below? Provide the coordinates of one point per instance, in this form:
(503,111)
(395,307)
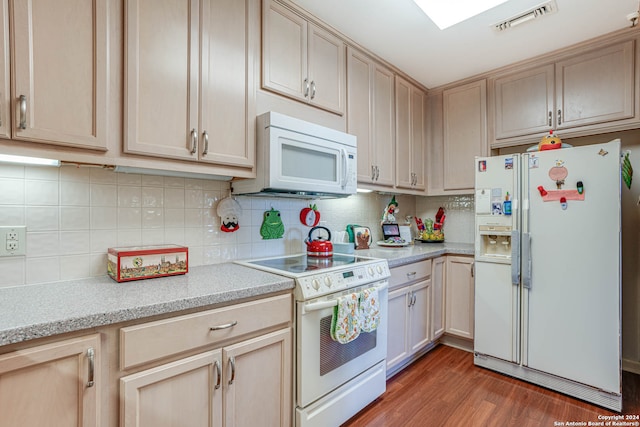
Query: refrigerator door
(571,304)
(497,290)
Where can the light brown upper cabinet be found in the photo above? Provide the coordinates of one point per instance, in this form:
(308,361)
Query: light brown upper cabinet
(56,56)
(189,88)
(302,60)
(410,135)
(371,117)
(464,132)
(589,88)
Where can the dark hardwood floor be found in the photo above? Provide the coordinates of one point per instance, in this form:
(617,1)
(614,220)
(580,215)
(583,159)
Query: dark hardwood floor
(444,388)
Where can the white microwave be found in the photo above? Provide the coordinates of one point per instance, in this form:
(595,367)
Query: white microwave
(300,159)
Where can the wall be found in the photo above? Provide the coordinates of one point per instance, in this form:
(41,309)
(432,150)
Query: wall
(74,214)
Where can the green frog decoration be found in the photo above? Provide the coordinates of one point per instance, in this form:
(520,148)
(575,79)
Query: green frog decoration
(272,226)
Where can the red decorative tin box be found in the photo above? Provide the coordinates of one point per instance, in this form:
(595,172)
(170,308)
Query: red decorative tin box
(146,262)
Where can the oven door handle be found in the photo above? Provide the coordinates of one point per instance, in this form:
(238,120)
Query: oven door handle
(321,305)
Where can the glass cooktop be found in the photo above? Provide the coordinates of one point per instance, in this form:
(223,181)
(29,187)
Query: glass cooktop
(299,264)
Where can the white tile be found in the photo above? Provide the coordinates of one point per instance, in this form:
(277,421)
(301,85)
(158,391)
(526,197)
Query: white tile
(174,236)
(173,181)
(193,184)
(152,218)
(195,256)
(13,271)
(13,215)
(104,195)
(104,218)
(102,240)
(41,193)
(73,193)
(75,267)
(129,197)
(11,171)
(98,265)
(152,197)
(153,237)
(129,179)
(210,198)
(41,244)
(43,270)
(42,173)
(75,218)
(75,242)
(152,180)
(12,191)
(174,218)
(103,176)
(193,199)
(129,218)
(129,237)
(174,198)
(42,218)
(75,173)
(193,237)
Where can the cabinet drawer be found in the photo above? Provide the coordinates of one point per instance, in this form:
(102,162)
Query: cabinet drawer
(409,273)
(155,340)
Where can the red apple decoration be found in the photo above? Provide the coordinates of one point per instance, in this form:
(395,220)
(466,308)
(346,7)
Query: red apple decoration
(310,216)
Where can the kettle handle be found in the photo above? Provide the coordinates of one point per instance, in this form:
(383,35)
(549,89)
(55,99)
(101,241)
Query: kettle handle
(319,226)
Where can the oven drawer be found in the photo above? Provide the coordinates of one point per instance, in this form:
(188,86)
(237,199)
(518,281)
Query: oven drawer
(154,340)
(410,272)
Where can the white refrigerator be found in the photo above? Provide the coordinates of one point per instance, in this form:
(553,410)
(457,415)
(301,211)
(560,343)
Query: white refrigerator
(548,269)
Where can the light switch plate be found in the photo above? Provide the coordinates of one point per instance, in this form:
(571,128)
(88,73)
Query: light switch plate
(13,240)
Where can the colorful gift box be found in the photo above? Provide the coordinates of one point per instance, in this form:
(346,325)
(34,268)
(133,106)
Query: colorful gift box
(146,262)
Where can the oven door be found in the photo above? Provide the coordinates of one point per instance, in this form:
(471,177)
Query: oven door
(323,364)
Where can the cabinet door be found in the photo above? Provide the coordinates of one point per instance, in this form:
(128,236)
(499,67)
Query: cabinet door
(418,137)
(384,124)
(284,51)
(360,112)
(161,78)
(257,381)
(327,72)
(397,327)
(5,97)
(596,87)
(438,280)
(459,296)
(524,102)
(403,133)
(49,385)
(227,114)
(465,133)
(420,318)
(60,78)
(184,393)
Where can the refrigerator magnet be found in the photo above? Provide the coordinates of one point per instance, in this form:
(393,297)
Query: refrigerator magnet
(482,166)
(533,162)
(508,163)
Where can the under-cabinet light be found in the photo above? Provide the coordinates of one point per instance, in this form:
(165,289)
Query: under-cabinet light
(24,160)
(194,175)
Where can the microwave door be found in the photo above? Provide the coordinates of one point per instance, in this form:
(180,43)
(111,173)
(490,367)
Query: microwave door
(306,163)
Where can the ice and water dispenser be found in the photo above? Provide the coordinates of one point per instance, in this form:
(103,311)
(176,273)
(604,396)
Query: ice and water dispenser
(494,241)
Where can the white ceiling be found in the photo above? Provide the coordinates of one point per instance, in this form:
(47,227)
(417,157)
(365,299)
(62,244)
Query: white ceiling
(399,32)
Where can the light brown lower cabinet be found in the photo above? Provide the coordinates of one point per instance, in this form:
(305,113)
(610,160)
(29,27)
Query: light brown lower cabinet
(53,385)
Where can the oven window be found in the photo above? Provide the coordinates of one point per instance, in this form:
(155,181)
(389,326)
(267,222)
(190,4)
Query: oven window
(333,354)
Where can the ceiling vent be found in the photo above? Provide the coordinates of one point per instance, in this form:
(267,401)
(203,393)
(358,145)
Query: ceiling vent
(531,14)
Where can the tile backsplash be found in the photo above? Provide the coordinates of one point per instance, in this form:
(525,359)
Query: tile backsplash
(73,214)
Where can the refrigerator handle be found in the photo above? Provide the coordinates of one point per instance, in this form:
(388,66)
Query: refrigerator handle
(526,260)
(515,257)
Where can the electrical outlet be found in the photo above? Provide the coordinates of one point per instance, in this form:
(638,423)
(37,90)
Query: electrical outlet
(14,239)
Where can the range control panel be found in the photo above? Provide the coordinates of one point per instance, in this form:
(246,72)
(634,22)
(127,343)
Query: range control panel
(332,281)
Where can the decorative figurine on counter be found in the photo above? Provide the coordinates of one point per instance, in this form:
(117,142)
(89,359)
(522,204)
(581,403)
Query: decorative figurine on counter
(229,211)
(272,226)
(389,214)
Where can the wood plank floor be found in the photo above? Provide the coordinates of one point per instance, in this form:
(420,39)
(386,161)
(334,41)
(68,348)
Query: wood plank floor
(445,388)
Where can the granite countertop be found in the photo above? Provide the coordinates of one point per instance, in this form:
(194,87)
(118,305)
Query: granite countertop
(35,311)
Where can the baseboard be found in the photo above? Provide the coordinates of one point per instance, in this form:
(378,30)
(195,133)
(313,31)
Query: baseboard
(457,342)
(632,366)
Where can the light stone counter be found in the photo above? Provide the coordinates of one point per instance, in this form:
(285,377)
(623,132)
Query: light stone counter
(35,311)
(397,256)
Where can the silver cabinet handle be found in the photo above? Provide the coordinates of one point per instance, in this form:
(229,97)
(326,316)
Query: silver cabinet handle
(91,354)
(306,88)
(559,117)
(225,326)
(205,135)
(194,141)
(23,112)
(410,299)
(373,173)
(411,276)
(473,269)
(377,173)
(232,362)
(313,90)
(413,302)
(550,116)
(216,365)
